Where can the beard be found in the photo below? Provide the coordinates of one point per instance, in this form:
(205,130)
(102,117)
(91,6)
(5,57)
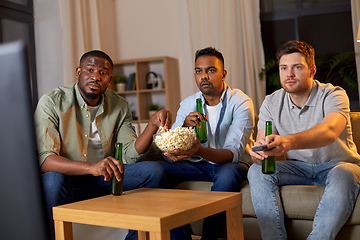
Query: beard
(89,95)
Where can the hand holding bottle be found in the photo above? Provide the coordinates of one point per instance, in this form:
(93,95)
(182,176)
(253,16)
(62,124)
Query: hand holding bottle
(107,167)
(194,119)
(201,131)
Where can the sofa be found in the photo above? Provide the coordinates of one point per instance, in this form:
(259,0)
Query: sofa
(299,202)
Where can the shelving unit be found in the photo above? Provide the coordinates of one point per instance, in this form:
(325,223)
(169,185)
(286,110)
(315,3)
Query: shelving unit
(140,98)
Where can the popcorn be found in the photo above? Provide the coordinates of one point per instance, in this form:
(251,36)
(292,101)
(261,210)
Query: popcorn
(181,138)
(162,129)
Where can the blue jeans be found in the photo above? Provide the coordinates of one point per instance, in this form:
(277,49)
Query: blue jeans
(61,189)
(341,181)
(226,177)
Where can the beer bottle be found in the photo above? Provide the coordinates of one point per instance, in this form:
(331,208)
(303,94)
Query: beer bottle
(201,133)
(116,187)
(268,164)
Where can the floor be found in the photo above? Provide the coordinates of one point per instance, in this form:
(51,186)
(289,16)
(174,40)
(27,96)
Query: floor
(195,237)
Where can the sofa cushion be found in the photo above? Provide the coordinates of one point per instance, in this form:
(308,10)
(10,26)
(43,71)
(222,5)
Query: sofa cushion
(355,125)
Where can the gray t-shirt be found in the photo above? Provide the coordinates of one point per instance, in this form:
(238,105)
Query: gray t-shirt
(287,118)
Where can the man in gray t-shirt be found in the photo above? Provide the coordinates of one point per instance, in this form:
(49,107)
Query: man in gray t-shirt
(311,127)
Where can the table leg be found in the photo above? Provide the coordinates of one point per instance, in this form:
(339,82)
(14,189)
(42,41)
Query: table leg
(63,230)
(234,221)
(142,235)
(165,235)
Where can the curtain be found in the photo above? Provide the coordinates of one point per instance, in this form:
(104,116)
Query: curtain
(355,13)
(86,25)
(232,27)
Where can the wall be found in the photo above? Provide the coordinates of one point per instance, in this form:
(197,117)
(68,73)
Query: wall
(144,29)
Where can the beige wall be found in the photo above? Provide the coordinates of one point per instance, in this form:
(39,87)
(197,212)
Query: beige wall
(143,29)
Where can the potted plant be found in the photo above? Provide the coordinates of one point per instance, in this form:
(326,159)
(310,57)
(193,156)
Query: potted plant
(120,81)
(153,108)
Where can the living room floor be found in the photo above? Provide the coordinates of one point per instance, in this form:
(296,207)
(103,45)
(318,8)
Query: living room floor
(195,237)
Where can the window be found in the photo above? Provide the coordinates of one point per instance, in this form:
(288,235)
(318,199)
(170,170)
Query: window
(17,23)
(325,24)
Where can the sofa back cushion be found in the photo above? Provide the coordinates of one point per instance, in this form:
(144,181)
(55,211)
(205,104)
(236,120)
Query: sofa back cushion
(355,125)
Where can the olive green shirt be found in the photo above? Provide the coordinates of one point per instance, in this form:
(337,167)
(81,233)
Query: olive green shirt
(62,122)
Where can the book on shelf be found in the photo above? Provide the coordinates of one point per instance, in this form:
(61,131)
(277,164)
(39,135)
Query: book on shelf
(131,82)
(128,83)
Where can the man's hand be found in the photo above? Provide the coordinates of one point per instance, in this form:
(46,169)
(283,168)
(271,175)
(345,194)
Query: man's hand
(108,167)
(258,156)
(181,155)
(279,145)
(162,118)
(193,119)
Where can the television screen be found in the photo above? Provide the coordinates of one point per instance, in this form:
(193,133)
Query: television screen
(22,209)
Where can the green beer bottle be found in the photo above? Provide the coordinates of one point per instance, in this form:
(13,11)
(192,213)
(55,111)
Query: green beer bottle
(268,164)
(116,187)
(201,133)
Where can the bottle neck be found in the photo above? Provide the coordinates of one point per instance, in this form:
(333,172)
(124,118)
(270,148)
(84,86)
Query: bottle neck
(199,107)
(268,129)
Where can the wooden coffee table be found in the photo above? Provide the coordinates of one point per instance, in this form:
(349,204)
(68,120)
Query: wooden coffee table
(153,212)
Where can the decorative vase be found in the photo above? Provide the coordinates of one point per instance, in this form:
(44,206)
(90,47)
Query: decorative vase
(120,87)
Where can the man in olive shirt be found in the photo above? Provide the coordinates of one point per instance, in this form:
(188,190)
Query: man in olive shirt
(77,127)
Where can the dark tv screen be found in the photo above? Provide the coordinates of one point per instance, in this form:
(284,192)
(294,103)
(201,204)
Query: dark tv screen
(22,210)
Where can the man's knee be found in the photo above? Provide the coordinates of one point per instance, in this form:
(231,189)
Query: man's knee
(254,171)
(346,172)
(153,171)
(56,189)
(157,170)
(53,181)
(154,166)
(232,170)
(229,177)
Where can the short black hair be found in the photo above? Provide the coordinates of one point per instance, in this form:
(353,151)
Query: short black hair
(209,51)
(296,46)
(96,53)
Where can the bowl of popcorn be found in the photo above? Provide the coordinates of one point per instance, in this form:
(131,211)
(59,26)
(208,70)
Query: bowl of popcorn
(181,138)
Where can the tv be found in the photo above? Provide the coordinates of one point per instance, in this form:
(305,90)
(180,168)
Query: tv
(22,209)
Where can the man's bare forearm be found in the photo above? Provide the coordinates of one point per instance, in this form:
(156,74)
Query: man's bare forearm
(218,156)
(55,163)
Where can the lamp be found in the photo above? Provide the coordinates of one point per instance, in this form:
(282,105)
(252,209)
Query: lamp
(358,35)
